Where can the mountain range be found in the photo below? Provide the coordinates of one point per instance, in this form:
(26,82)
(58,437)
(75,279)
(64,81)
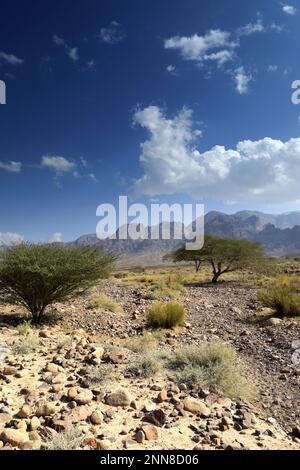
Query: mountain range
(279,235)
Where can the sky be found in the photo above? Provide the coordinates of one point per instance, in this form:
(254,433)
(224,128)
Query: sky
(176,101)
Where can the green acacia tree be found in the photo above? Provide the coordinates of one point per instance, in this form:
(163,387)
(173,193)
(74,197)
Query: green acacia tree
(35,275)
(225,255)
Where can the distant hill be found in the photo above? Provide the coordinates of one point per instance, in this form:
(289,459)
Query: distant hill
(279,235)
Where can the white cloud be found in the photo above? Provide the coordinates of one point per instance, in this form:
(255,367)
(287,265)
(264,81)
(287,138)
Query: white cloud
(91,65)
(242,80)
(262,171)
(112,34)
(252,28)
(93,177)
(11,167)
(214,45)
(58,164)
(8,238)
(56,238)
(10,59)
(171,69)
(72,52)
(289,10)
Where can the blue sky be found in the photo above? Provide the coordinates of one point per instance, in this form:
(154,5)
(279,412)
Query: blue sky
(173,101)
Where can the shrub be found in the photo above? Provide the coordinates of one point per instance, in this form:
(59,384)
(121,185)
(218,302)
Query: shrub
(214,365)
(105,303)
(26,344)
(148,365)
(24,328)
(282,295)
(142,343)
(166,315)
(36,276)
(99,376)
(65,440)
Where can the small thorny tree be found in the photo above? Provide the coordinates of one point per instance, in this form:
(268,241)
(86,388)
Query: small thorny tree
(225,255)
(36,275)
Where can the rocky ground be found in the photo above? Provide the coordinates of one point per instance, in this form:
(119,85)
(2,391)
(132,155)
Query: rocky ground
(52,391)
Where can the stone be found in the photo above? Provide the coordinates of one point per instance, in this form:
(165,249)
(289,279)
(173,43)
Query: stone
(72,393)
(14,437)
(194,406)
(162,396)
(150,432)
(51,367)
(9,371)
(96,417)
(273,321)
(24,412)
(118,398)
(59,378)
(103,445)
(34,423)
(5,417)
(45,334)
(156,417)
(140,436)
(84,397)
(98,352)
(45,409)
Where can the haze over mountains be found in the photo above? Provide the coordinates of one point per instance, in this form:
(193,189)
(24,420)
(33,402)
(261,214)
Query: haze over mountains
(279,235)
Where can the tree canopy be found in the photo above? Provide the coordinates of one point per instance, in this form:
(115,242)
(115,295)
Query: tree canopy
(36,275)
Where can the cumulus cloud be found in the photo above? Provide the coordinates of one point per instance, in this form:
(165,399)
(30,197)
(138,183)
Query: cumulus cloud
(11,167)
(242,80)
(214,45)
(9,238)
(58,164)
(289,10)
(112,34)
(72,52)
(56,238)
(262,171)
(10,59)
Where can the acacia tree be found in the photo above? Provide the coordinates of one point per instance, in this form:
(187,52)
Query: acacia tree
(224,255)
(227,255)
(36,275)
(183,255)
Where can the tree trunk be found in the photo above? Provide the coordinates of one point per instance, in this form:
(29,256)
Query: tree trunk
(216,277)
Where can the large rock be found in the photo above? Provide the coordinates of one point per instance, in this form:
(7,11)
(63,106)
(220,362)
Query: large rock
(119,398)
(84,397)
(14,437)
(46,409)
(96,417)
(197,407)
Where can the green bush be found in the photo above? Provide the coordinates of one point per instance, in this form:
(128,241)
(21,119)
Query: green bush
(281,294)
(214,365)
(165,315)
(148,365)
(36,276)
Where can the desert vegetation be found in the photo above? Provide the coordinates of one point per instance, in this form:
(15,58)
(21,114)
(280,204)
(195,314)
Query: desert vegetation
(36,276)
(282,295)
(130,354)
(224,255)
